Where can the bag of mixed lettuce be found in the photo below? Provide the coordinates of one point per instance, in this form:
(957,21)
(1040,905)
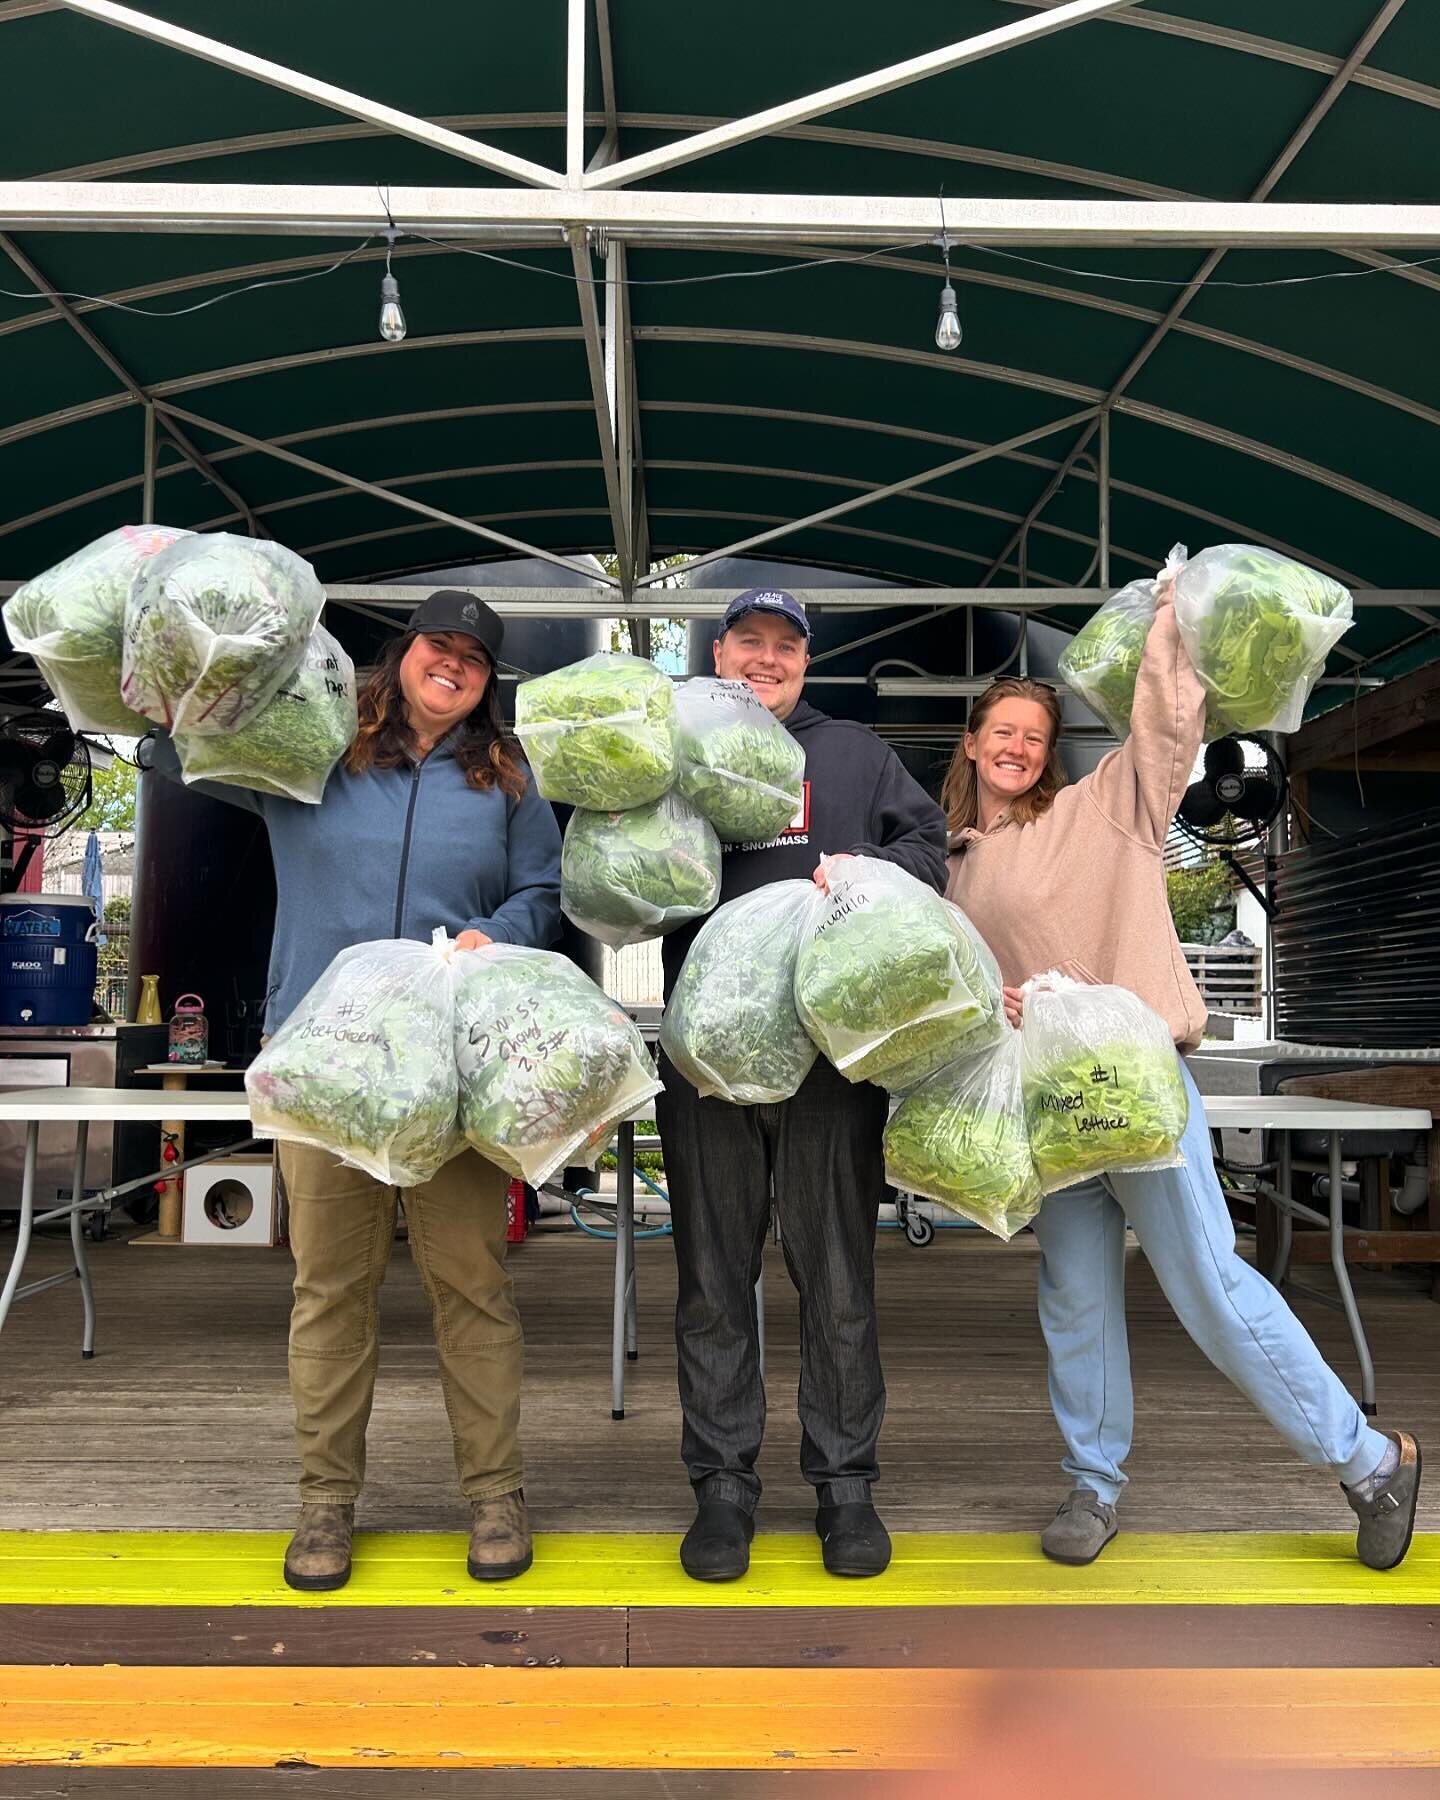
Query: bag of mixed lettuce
(738,764)
(365,1065)
(625,876)
(1103,1089)
(731,1028)
(71,620)
(290,746)
(891,981)
(960,1138)
(1258,628)
(1101,661)
(547,1063)
(599,733)
(215,626)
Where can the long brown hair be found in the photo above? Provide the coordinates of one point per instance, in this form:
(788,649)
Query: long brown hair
(960,795)
(483,747)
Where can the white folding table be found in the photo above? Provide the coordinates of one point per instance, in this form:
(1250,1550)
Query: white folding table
(82,1107)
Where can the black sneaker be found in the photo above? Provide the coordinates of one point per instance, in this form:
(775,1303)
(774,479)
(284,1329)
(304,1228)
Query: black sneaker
(852,1539)
(717,1545)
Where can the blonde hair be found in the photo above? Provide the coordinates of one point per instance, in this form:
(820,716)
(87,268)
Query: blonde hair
(960,796)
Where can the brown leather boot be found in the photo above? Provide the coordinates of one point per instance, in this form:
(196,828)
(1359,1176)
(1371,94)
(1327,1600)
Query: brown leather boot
(499,1538)
(319,1555)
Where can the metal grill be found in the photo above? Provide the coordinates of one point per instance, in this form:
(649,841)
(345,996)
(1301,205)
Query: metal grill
(1357,938)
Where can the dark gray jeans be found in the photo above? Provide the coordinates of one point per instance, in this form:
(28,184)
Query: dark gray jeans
(822,1152)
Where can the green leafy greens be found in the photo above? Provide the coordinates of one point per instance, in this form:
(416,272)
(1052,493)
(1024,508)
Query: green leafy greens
(738,764)
(365,1065)
(1258,628)
(1102,660)
(214,627)
(630,875)
(731,1028)
(599,733)
(893,982)
(547,1063)
(290,746)
(71,620)
(960,1138)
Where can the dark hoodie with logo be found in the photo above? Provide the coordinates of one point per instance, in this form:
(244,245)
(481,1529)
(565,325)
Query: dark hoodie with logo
(859,800)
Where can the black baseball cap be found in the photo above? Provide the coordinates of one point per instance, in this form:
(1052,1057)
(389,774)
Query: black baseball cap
(451,609)
(767,600)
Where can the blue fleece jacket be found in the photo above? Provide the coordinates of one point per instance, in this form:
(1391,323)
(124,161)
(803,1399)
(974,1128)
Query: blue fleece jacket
(394,853)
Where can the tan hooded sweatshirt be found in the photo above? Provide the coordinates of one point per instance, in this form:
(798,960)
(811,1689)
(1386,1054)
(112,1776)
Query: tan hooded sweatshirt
(1082,889)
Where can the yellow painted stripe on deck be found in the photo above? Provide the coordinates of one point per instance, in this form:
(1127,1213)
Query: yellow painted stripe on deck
(188,1568)
(694,1718)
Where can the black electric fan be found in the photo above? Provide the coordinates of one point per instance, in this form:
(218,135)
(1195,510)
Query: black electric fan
(44,786)
(1238,797)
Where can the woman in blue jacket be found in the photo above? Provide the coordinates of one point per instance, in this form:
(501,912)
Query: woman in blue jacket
(430,820)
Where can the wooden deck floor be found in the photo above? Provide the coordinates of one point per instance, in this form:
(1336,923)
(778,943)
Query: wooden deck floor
(182,1419)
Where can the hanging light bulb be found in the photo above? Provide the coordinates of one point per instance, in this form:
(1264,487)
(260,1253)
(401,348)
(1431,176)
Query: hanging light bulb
(948,334)
(392,314)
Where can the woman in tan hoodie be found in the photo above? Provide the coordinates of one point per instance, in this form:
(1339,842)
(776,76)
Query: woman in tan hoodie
(1072,878)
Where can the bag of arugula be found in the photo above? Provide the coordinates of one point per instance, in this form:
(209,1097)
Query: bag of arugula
(891,981)
(1101,661)
(290,746)
(731,1028)
(960,1138)
(215,626)
(626,876)
(738,764)
(1258,628)
(547,1064)
(599,733)
(1103,1089)
(71,620)
(365,1065)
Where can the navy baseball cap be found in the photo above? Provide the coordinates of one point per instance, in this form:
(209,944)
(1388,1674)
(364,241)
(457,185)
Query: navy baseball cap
(766,600)
(451,609)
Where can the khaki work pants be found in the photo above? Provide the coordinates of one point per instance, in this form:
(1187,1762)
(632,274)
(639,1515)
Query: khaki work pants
(342,1223)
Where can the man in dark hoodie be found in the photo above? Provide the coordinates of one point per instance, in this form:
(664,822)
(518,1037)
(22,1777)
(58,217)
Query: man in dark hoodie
(821,1151)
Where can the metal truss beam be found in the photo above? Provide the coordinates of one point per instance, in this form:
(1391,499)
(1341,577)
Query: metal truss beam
(848,93)
(187,208)
(376,492)
(1267,184)
(319,93)
(599,357)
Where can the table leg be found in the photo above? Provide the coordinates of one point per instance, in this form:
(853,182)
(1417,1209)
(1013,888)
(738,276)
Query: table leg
(624,1262)
(169,1224)
(77,1237)
(1342,1277)
(1285,1223)
(27,1215)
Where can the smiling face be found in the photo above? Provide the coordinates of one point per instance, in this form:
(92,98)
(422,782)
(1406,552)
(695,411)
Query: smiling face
(1009,750)
(443,677)
(770,654)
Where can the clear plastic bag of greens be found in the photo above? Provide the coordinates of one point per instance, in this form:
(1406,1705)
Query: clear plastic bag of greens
(731,1028)
(738,764)
(1258,627)
(1102,660)
(893,982)
(71,620)
(1102,1081)
(548,1065)
(290,746)
(365,1065)
(961,1138)
(214,627)
(627,876)
(600,733)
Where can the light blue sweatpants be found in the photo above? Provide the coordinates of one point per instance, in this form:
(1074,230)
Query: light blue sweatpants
(1230,1310)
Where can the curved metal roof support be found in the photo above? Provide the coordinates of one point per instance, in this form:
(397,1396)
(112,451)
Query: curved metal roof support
(375,491)
(137,391)
(848,93)
(1294,144)
(147,497)
(319,93)
(922,479)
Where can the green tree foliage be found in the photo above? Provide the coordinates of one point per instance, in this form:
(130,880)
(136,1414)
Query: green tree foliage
(112,802)
(1201,902)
